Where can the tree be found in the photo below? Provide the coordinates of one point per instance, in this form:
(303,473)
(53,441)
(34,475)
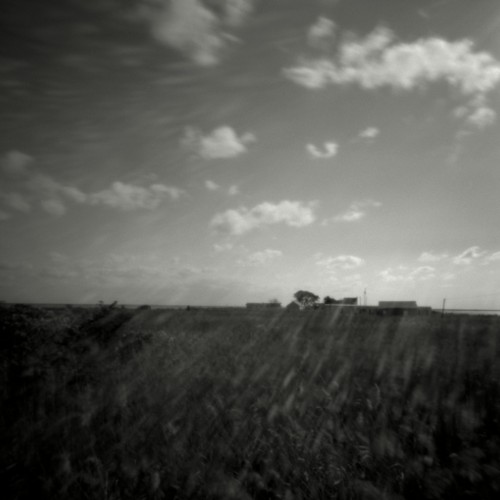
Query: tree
(305,299)
(330,300)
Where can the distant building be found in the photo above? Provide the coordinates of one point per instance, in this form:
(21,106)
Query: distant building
(398,304)
(402,308)
(293,306)
(349,301)
(263,305)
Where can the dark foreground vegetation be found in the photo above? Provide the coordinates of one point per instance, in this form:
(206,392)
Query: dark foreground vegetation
(119,404)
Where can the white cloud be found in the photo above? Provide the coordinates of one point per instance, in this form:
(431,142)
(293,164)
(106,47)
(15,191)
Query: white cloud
(389,276)
(237,11)
(321,34)
(223,247)
(422,273)
(431,257)
(342,262)
(369,133)
(493,257)
(330,150)
(312,74)
(44,185)
(263,256)
(15,201)
(194,29)
(482,117)
(357,211)
(379,60)
(15,162)
(233,190)
(242,220)
(223,142)
(405,274)
(211,185)
(130,197)
(54,207)
(468,256)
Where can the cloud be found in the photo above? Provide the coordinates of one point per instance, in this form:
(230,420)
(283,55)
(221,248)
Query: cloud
(431,257)
(15,162)
(262,257)
(405,274)
(357,211)
(54,207)
(233,190)
(380,60)
(211,185)
(236,11)
(342,262)
(422,273)
(223,142)
(468,256)
(193,29)
(242,220)
(321,34)
(369,133)
(44,185)
(15,201)
(130,197)
(223,247)
(493,257)
(482,117)
(330,150)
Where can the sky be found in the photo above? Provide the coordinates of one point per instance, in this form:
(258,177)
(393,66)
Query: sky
(218,152)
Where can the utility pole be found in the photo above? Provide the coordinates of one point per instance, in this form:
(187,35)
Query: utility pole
(364,298)
(442,311)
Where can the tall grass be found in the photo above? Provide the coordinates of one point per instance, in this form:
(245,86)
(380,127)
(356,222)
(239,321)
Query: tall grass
(241,405)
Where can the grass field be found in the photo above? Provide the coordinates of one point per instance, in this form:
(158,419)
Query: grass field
(119,404)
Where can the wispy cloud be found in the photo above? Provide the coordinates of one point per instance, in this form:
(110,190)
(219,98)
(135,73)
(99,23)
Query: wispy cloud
(233,190)
(211,185)
(341,262)
(53,196)
(380,60)
(482,117)
(242,220)
(405,274)
(369,133)
(54,206)
(15,201)
(131,197)
(357,211)
(494,257)
(4,215)
(16,162)
(261,257)
(469,256)
(321,34)
(194,29)
(432,257)
(223,247)
(223,142)
(330,149)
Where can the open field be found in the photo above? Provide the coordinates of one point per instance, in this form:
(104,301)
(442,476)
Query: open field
(114,404)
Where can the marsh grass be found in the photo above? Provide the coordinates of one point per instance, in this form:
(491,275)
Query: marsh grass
(204,404)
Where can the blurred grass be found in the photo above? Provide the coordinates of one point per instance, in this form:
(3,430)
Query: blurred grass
(233,404)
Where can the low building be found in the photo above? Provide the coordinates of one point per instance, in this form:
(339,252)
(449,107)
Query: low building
(402,308)
(398,304)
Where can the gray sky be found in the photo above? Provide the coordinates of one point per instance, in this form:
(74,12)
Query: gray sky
(218,152)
